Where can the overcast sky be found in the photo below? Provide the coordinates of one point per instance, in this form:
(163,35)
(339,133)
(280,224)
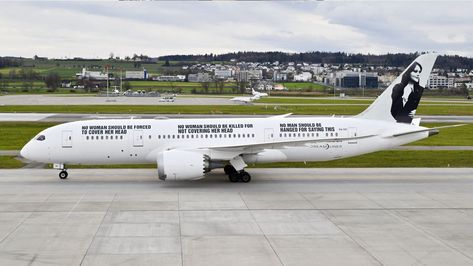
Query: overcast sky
(95,29)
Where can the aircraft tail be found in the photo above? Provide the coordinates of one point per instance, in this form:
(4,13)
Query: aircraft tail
(398,103)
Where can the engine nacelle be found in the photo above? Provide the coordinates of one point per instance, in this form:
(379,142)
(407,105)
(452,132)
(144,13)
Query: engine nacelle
(182,165)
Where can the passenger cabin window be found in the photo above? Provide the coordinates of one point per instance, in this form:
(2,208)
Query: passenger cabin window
(41,138)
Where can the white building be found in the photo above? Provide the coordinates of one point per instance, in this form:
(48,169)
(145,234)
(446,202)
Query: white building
(436,81)
(246,75)
(199,77)
(142,74)
(304,76)
(97,75)
(223,73)
(279,76)
(171,78)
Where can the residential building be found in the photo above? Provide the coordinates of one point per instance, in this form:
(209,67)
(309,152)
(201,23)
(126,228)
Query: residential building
(304,77)
(349,79)
(247,75)
(436,81)
(199,77)
(279,76)
(223,73)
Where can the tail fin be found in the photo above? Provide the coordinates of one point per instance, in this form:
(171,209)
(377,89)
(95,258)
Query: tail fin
(398,103)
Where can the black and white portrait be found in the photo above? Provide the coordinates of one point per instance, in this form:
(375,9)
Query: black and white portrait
(406,95)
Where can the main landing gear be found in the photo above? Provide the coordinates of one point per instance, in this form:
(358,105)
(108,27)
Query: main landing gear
(235,176)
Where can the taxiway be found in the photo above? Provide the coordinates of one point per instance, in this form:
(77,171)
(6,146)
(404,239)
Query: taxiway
(283,217)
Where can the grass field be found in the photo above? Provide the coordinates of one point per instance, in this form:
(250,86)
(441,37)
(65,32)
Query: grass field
(288,100)
(295,100)
(229,109)
(391,159)
(303,86)
(9,162)
(16,134)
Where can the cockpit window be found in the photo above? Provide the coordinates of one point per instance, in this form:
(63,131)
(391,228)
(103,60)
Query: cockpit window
(41,138)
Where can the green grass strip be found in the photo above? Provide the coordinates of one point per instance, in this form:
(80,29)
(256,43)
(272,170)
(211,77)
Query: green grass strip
(10,162)
(390,159)
(14,135)
(226,109)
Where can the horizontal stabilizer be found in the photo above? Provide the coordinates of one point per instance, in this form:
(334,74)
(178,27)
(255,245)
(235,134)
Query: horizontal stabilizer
(434,130)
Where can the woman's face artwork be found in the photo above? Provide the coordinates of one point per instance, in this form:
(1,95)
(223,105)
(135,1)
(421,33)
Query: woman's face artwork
(415,74)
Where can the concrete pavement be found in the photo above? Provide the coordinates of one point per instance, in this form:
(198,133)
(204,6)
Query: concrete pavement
(283,217)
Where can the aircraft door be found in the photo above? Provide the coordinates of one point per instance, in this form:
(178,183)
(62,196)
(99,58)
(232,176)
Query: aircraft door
(138,138)
(268,134)
(67,138)
(352,133)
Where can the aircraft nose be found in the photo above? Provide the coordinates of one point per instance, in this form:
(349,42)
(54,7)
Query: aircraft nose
(26,152)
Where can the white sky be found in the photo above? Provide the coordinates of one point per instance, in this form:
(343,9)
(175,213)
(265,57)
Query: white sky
(97,28)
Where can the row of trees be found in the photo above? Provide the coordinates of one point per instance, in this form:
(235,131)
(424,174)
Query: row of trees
(397,60)
(27,77)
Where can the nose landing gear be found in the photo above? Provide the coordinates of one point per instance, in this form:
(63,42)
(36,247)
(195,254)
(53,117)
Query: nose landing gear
(63,173)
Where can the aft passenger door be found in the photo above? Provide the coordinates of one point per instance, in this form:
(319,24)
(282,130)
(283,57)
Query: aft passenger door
(352,133)
(138,138)
(67,138)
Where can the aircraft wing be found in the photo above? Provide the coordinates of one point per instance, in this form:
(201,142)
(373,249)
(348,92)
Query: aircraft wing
(252,148)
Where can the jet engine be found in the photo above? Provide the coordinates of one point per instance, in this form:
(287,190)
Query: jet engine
(182,165)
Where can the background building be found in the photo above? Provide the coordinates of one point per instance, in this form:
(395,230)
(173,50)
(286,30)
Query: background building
(436,81)
(142,74)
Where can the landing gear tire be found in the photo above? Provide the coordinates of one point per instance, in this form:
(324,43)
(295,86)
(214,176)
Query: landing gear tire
(234,177)
(63,174)
(229,169)
(245,177)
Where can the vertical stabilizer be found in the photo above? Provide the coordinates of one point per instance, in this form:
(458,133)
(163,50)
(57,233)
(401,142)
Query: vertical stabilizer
(398,103)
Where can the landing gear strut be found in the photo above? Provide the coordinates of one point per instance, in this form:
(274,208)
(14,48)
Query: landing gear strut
(235,176)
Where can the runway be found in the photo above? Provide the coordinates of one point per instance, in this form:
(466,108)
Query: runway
(62,118)
(283,217)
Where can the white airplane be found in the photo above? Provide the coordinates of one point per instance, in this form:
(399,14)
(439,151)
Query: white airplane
(245,99)
(186,149)
(256,96)
(257,93)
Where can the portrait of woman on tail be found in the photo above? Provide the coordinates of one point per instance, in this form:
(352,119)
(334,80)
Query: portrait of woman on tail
(406,95)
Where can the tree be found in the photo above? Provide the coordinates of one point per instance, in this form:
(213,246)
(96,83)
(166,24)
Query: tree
(166,64)
(219,84)
(205,86)
(4,85)
(26,86)
(52,81)
(242,86)
(126,85)
(12,74)
(464,90)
